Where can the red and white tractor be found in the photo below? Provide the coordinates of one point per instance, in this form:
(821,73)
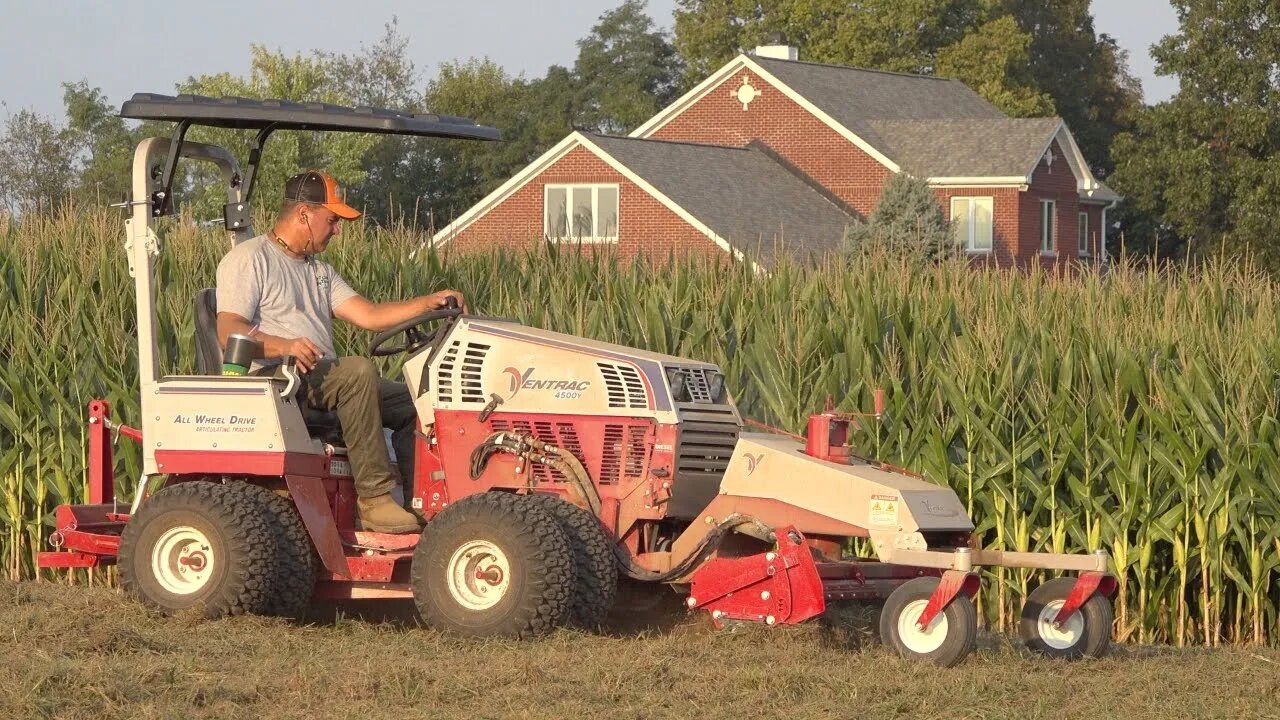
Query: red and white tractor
(546,466)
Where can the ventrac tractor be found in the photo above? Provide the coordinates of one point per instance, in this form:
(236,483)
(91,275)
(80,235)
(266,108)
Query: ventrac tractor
(547,467)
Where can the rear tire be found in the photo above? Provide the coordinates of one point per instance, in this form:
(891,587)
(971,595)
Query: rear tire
(950,637)
(1086,633)
(294,580)
(199,544)
(595,566)
(493,565)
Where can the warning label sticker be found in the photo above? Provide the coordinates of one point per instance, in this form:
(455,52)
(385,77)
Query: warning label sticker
(884,510)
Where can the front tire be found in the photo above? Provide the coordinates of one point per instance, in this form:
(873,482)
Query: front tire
(1086,633)
(950,636)
(199,544)
(493,565)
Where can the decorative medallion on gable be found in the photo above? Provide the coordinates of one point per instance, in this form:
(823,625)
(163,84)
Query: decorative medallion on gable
(1049,157)
(746,93)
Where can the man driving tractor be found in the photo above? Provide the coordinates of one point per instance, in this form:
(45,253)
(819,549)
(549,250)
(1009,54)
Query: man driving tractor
(275,290)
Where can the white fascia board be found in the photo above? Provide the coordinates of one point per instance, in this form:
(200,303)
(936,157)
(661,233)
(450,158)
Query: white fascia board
(507,189)
(1006,181)
(673,110)
(670,204)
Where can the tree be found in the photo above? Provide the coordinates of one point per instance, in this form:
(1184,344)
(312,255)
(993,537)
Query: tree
(626,71)
(397,167)
(37,164)
(103,145)
(908,220)
(275,75)
(1085,73)
(1206,164)
(993,61)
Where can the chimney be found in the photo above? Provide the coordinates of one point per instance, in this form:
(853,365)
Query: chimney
(778,48)
(778,52)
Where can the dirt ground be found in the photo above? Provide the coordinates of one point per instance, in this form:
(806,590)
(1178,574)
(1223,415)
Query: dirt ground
(77,652)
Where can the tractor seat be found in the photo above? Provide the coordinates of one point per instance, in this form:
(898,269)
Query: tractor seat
(321,424)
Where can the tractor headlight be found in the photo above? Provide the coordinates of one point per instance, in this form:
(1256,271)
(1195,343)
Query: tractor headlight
(675,380)
(715,383)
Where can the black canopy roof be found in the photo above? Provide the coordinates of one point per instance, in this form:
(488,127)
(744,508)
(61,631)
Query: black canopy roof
(248,114)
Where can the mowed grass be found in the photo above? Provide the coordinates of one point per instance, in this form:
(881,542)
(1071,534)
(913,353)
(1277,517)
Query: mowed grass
(80,652)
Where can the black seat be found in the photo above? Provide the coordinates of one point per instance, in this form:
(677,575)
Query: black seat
(323,425)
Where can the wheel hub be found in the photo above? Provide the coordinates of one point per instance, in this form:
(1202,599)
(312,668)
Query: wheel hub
(1059,636)
(478,575)
(182,560)
(918,640)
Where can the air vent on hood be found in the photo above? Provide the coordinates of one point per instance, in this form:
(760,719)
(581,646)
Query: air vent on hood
(624,386)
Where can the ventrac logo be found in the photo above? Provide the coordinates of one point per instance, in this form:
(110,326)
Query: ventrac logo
(753,462)
(564,389)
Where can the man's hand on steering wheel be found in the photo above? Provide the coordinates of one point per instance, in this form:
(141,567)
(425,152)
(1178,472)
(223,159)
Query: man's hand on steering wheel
(441,299)
(416,335)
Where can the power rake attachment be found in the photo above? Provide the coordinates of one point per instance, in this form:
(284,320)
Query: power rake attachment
(546,466)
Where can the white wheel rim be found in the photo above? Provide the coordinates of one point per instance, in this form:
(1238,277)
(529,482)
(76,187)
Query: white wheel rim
(921,642)
(182,560)
(478,575)
(1059,638)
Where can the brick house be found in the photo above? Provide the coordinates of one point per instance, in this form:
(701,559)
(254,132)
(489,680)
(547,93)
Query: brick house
(770,155)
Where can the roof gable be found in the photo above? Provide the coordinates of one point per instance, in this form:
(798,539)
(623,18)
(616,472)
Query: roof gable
(753,202)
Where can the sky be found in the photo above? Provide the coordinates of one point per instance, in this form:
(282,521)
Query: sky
(132,46)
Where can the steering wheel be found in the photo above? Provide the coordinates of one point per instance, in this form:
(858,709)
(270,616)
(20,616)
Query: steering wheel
(416,333)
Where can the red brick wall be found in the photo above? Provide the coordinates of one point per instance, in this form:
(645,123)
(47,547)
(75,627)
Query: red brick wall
(643,222)
(789,130)
(1057,183)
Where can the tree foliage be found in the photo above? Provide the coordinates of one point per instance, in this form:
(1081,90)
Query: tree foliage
(907,221)
(1206,164)
(37,163)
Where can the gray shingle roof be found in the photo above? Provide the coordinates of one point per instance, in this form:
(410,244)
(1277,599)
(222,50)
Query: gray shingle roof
(931,127)
(1003,147)
(742,194)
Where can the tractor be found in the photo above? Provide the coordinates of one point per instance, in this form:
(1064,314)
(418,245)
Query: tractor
(547,467)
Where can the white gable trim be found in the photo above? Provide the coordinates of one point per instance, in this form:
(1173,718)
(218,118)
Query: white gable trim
(703,88)
(505,190)
(1086,184)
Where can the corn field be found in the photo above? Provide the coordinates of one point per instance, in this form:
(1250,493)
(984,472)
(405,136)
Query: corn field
(1135,412)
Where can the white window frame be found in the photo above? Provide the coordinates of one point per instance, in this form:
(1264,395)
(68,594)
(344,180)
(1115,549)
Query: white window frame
(970,246)
(595,211)
(1082,233)
(1048,227)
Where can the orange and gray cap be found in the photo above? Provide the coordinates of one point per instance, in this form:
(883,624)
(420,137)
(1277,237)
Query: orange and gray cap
(319,188)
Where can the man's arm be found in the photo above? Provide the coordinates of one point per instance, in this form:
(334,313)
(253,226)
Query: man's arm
(303,350)
(377,317)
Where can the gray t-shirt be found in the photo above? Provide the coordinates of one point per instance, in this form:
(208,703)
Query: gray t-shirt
(283,295)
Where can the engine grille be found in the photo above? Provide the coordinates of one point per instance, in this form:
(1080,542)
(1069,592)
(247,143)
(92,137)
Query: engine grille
(708,435)
(458,377)
(624,386)
(625,447)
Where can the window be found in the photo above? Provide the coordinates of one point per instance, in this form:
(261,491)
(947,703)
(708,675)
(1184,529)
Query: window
(1084,233)
(1048,227)
(583,213)
(972,218)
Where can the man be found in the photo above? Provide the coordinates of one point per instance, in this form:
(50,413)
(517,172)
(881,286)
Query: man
(274,289)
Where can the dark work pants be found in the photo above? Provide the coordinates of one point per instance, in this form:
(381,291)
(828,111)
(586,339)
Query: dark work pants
(366,403)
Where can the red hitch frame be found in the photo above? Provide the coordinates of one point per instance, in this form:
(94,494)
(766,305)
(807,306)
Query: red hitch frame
(777,587)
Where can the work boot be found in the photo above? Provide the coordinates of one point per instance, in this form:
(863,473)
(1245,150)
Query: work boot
(382,513)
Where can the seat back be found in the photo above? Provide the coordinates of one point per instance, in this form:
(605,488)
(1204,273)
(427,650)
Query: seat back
(208,353)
